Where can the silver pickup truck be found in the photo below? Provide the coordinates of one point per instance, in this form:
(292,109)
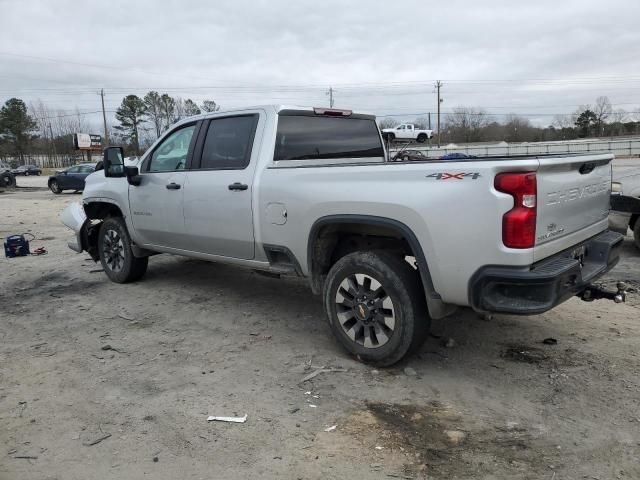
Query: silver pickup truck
(388,245)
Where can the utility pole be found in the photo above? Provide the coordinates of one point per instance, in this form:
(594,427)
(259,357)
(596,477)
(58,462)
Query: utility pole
(53,145)
(104,119)
(330,93)
(438,85)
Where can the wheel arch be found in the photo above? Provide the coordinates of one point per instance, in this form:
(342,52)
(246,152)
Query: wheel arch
(99,210)
(326,233)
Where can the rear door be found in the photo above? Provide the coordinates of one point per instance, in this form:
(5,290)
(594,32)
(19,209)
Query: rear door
(573,195)
(157,203)
(218,190)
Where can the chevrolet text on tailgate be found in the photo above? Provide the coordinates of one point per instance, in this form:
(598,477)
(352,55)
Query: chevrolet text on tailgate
(308,192)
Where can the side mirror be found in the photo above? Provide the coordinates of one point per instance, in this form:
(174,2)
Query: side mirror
(113,162)
(133,176)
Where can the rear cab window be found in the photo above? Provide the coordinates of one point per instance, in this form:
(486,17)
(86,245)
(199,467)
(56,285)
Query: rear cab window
(308,138)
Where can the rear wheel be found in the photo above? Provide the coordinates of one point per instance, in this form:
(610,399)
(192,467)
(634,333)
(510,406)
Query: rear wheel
(54,187)
(376,306)
(116,255)
(7,180)
(422,138)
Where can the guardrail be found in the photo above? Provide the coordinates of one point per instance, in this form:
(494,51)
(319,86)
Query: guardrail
(618,147)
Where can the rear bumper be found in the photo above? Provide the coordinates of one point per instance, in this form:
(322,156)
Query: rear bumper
(547,283)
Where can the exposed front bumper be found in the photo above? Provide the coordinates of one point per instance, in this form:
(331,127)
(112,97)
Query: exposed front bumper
(74,218)
(547,283)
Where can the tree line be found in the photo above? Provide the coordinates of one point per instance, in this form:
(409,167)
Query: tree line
(469,125)
(37,129)
(154,113)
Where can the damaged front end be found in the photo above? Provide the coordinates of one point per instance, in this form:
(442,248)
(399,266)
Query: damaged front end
(86,230)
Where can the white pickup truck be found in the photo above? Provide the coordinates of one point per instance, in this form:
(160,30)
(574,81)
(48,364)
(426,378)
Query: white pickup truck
(388,245)
(406,131)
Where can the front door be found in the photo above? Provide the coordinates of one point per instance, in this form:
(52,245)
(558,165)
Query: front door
(218,191)
(156,204)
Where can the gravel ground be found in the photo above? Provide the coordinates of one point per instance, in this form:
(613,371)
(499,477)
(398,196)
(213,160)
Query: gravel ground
(99,380)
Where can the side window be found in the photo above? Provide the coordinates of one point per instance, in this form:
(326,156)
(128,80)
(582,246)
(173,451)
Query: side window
(75,169)
(87,169)
(171,154)
(401,127)
(228,142)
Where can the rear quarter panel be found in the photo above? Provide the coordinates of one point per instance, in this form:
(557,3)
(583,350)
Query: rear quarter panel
(457,219)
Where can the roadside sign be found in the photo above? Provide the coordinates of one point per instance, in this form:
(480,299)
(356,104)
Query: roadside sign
(87,141)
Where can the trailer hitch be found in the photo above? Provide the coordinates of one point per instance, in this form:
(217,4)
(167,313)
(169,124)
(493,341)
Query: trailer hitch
(596,292)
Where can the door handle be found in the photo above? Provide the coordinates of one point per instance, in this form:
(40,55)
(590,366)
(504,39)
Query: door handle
(173,186)
(238,186)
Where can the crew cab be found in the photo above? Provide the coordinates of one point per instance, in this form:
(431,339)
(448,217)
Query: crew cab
(406,131)
(310,192)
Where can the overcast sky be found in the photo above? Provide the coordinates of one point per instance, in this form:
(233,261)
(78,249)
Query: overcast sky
(535,58)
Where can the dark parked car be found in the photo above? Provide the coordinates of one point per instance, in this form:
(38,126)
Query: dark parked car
(26,170)
(72,178)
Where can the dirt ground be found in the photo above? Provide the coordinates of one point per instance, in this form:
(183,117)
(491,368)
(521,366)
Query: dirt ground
(99,380)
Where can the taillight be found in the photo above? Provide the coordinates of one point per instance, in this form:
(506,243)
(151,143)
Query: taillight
(519,223)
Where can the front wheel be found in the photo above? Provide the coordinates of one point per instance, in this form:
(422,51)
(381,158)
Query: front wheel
(376,306)
(54,187)
(116,255)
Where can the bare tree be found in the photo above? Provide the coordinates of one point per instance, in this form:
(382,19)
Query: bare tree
(603,110)
(154,111)
(388,122)
(466,123)
(168,110)
(209,106)
(421,122)
(619,115)
(562,121)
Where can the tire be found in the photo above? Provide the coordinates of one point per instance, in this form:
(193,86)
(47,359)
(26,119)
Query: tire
(26,174)
(7,180)
(421,138)
(116,256)
(54,187)
(636,232)
(383,330)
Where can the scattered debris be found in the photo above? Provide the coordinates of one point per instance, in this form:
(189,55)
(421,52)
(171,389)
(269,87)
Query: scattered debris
(227,419)
(550,341)
(155,459)
(126,317)
(410,372)
(27,457)
(97,440)
(331,428)
(378,447)
(109,347)
(455,437)
(97,270)
(313,406)
(294,410)
(399,475)
(320,370)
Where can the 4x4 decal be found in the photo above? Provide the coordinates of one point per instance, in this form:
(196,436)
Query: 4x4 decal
(454,176)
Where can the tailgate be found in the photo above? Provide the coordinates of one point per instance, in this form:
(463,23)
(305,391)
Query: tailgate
(573,194)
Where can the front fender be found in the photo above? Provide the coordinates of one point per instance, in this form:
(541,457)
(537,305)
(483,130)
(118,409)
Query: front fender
(73,217)
(86,231)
